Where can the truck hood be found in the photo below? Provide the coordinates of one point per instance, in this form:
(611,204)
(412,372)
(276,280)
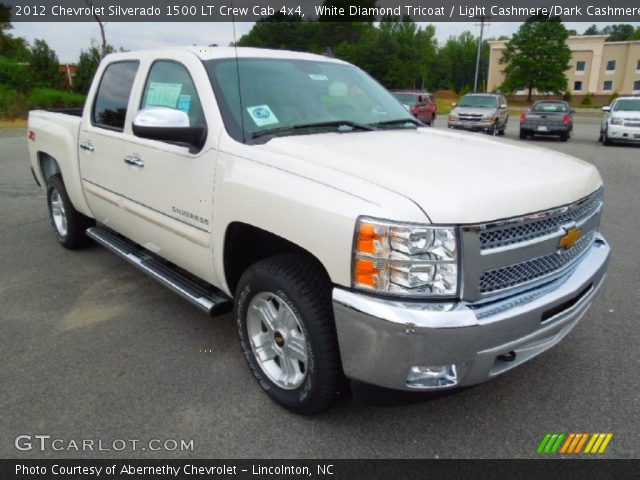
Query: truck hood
(454,177)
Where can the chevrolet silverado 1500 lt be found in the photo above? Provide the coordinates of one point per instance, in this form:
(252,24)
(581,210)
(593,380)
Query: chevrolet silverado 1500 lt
(350,241)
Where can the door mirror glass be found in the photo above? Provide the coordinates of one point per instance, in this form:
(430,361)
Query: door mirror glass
(168,125)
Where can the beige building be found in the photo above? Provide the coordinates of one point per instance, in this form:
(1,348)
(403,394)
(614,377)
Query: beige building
(597,67)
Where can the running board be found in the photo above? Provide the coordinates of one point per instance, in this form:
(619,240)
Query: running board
(202,295)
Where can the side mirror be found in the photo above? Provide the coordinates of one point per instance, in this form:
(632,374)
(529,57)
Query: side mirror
(606,108)
(572,110)
(503,106)
(454,104)
(167,125)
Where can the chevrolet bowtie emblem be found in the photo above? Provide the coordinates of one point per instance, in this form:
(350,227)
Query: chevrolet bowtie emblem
(570,239)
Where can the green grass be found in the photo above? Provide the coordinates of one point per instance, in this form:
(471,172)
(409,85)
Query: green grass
(16,105)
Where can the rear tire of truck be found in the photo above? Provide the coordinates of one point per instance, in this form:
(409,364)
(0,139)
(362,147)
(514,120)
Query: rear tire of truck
(287,332)
(69,225)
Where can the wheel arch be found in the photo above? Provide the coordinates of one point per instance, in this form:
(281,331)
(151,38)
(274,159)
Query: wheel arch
(245,244)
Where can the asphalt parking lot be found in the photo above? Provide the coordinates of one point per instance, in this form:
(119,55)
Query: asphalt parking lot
(93,349)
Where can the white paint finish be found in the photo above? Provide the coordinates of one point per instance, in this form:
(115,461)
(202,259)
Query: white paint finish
(455,177)
(308,189)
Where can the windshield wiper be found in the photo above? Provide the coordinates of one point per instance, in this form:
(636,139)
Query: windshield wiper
(293,129)
(399,121)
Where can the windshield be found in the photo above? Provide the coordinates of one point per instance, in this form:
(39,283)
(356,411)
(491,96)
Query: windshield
(406,98)
(274,94)
(627,105)
(550,107)
(480,101)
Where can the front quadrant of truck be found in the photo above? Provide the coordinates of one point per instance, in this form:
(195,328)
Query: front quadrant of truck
(349,240)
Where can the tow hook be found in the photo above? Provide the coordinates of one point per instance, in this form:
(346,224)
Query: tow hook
(508,357)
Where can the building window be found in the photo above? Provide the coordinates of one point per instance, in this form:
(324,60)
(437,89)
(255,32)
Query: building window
(577,86)
(638,66)
(581,67)
(611,66)
(636,86)
(607,86)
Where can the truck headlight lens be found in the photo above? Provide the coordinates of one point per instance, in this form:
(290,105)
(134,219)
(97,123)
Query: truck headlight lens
(453,117)
(616,121)
(405,259)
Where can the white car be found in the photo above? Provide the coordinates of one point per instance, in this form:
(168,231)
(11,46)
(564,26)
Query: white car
(621,123)
(349,239)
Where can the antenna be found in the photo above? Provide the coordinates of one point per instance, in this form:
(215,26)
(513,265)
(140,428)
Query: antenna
(235,46)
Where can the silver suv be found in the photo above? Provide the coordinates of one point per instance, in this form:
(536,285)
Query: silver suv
(480,111)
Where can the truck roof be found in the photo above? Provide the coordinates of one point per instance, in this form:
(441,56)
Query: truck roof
(210,53)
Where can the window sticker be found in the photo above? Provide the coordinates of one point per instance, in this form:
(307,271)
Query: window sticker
(262,115)
(318,76)
(163,94)
(338,89)
(184,103)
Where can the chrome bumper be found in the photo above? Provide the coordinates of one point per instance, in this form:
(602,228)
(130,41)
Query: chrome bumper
(380,340)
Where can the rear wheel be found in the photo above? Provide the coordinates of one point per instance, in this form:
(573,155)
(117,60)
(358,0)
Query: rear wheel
(564,137)
(523,135)
(69,225)
(287,333)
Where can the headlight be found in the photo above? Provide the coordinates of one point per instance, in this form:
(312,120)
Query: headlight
(405,259)
(488,117)
(616,121)
(453,117)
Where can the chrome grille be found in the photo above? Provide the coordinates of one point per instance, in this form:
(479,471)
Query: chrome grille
(535,269)
(539,225)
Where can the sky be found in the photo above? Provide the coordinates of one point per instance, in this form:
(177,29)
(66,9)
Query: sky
(67,39)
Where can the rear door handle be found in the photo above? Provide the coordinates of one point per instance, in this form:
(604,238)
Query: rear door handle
(134,160)
(88,146)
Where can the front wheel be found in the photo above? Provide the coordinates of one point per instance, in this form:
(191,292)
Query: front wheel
(605,137)
(285,322)
(69,225)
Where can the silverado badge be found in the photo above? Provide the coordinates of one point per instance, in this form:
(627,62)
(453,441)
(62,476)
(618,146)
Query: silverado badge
(570,239)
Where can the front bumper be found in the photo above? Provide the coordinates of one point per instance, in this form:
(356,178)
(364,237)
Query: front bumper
(380,340)
(622,133)
(472,125)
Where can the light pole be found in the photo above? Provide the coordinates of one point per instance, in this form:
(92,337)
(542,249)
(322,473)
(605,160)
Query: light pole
(482,19)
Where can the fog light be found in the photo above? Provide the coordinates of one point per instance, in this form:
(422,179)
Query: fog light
(433,376)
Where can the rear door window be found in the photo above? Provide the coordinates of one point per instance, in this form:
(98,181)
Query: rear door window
(112,98)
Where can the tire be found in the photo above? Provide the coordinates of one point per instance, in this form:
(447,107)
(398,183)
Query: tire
(564,137)
(68,224)
(283,310)
(605,139)
(523,135)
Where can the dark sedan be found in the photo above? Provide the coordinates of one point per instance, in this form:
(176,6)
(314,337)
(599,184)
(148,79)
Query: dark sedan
(547,117)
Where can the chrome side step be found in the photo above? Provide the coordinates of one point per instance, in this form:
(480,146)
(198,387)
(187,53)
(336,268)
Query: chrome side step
(202,295)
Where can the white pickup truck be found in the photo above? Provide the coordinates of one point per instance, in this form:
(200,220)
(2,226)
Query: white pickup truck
(350,240)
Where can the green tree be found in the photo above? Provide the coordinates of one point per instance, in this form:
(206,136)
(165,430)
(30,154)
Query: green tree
(287,32)
(45,65)
(619,32)
(592,30)
(87,66)
(397,53)
(537,57)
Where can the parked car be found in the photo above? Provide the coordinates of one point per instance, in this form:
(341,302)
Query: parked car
(349,239)
(547,117)
(621,122)
(422,105)
(486,112)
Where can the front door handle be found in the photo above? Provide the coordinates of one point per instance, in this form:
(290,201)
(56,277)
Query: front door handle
(88,146)
(134,160)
